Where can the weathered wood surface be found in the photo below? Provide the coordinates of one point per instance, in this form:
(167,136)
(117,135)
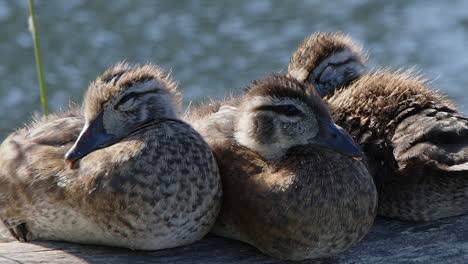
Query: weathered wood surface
(390,241)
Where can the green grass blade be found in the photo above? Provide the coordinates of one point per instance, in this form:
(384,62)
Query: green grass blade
(37,52)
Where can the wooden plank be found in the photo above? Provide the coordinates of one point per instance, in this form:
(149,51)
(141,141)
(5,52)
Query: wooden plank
(390,241)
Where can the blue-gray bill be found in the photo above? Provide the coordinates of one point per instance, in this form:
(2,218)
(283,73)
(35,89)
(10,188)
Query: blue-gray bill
(92,137)
(336,138)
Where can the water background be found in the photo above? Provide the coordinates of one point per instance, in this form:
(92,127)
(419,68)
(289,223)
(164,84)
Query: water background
(216,46)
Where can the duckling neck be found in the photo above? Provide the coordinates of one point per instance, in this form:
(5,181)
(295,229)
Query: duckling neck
(271,152)
(154,122)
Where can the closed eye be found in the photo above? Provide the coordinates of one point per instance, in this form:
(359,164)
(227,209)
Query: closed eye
(127,101)
(126,98)
(287,110)
(127,104)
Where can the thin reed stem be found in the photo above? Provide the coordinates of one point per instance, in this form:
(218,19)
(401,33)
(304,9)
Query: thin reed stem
(37,52)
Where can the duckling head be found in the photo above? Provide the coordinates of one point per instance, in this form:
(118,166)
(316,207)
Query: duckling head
(328,61)
(280,112)
(119,102)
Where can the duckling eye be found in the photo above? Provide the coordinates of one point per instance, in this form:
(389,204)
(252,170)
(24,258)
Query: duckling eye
(290,110)
(127,103)
(287,110)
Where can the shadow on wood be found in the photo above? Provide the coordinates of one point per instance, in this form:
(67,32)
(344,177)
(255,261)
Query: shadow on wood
(389,241)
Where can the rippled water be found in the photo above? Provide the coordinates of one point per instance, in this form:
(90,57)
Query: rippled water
(215,46)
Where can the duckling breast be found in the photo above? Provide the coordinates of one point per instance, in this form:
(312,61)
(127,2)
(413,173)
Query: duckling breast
(310,205)
(166,185)
(332,205)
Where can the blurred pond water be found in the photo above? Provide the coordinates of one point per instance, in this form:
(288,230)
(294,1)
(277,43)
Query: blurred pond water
(216,46)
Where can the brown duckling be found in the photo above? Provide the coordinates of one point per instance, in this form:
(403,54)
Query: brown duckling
(286,189)
(138,176)
(415,140)
(328,61)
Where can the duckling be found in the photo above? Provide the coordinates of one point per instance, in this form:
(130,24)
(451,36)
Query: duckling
(328,61)
(286,188)
(415,140)
(136,176)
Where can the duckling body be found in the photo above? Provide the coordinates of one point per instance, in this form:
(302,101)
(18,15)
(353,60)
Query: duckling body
(417,144)
(155,186)
(415,140)
(295,202)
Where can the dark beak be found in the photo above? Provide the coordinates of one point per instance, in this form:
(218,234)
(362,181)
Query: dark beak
(92,137)
(335,138)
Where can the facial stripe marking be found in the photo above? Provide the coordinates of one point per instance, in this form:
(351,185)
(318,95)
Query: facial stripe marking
(287,110)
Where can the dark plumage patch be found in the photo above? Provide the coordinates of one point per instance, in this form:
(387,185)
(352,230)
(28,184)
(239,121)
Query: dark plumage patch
(264,127)
(18,231)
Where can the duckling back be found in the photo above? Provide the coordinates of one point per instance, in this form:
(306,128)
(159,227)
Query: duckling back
(416,141)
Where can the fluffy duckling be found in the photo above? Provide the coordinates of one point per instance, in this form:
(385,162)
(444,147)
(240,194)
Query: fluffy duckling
(328,61)
(286,189)
(415,140)
(138,176)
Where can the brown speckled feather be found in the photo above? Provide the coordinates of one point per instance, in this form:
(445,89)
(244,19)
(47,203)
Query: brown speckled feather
(417,144)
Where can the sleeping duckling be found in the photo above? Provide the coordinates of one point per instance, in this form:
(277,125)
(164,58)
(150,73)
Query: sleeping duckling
(137,176)
(415,140)
(328,61)
(286,188)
